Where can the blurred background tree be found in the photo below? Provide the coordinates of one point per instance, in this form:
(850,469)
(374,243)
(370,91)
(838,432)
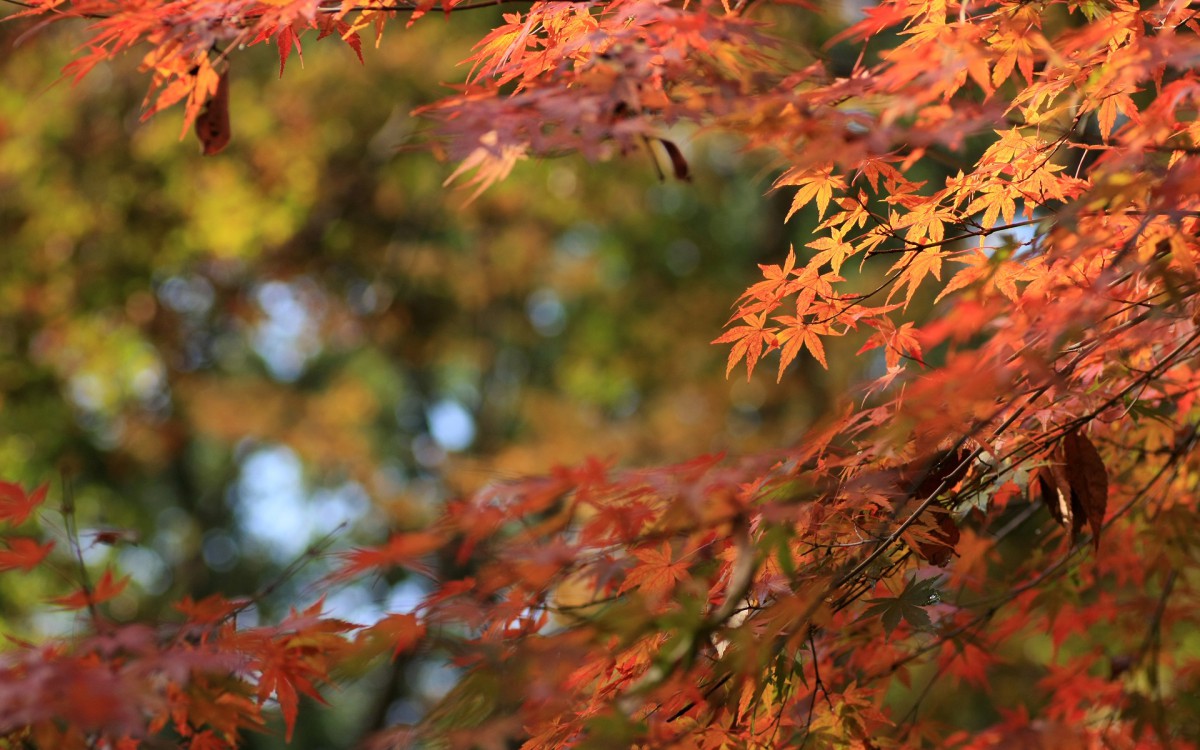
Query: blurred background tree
(232,363)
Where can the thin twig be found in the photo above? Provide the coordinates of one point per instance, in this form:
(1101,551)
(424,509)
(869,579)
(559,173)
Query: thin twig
(72,531)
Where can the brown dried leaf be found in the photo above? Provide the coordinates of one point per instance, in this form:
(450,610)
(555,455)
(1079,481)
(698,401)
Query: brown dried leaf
(942,472)
(1055,493)
(679,165)
(212,124)
(1088,479)
(942,536)
(945,470)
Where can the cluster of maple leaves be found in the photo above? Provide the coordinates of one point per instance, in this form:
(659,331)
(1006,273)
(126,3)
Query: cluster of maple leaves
(776,600)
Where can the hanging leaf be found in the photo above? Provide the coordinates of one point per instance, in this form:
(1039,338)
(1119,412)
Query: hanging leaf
(212,124)
(285,40)
(1055,492)
(679,165)
(1074,486)
(1088,479)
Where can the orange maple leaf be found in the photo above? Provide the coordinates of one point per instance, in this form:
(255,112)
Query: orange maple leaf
(834,249)
(657,575)
(915,266)
(775,279)
(750,341)
(800,334)
(897,342)
(813,183)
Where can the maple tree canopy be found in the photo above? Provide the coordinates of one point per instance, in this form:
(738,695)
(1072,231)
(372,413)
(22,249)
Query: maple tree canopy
(1016,484)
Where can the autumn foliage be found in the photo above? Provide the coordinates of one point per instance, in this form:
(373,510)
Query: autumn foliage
(1016,484)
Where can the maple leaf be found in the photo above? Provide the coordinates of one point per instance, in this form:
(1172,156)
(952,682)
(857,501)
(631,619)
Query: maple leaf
(974,553)
(774,281)
(16,505)
(833,250)
(491,161)
(914,267)
(816,184)
(280,682)
(996,201)
(400,631)
(968,661)
(402,550)
(656,576)
(897,342)
(287,38)
(1113,105)
(800,333)
(926,222)
(748,342)
(211,609)
(1012,146)
(201,88)
(909,605)
(105,589)
(290,664)
(347,33)
(977,268)
(23,553)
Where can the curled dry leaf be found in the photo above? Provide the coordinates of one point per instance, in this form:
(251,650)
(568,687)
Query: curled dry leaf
(679,165)
(1088,478)
(941,536)
(1074,487)
(212,124)
(1055,491)
(940,533)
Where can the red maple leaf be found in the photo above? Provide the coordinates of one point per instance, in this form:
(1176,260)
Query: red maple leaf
(16,505)
(105,589)
(24,553)
(402,550)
